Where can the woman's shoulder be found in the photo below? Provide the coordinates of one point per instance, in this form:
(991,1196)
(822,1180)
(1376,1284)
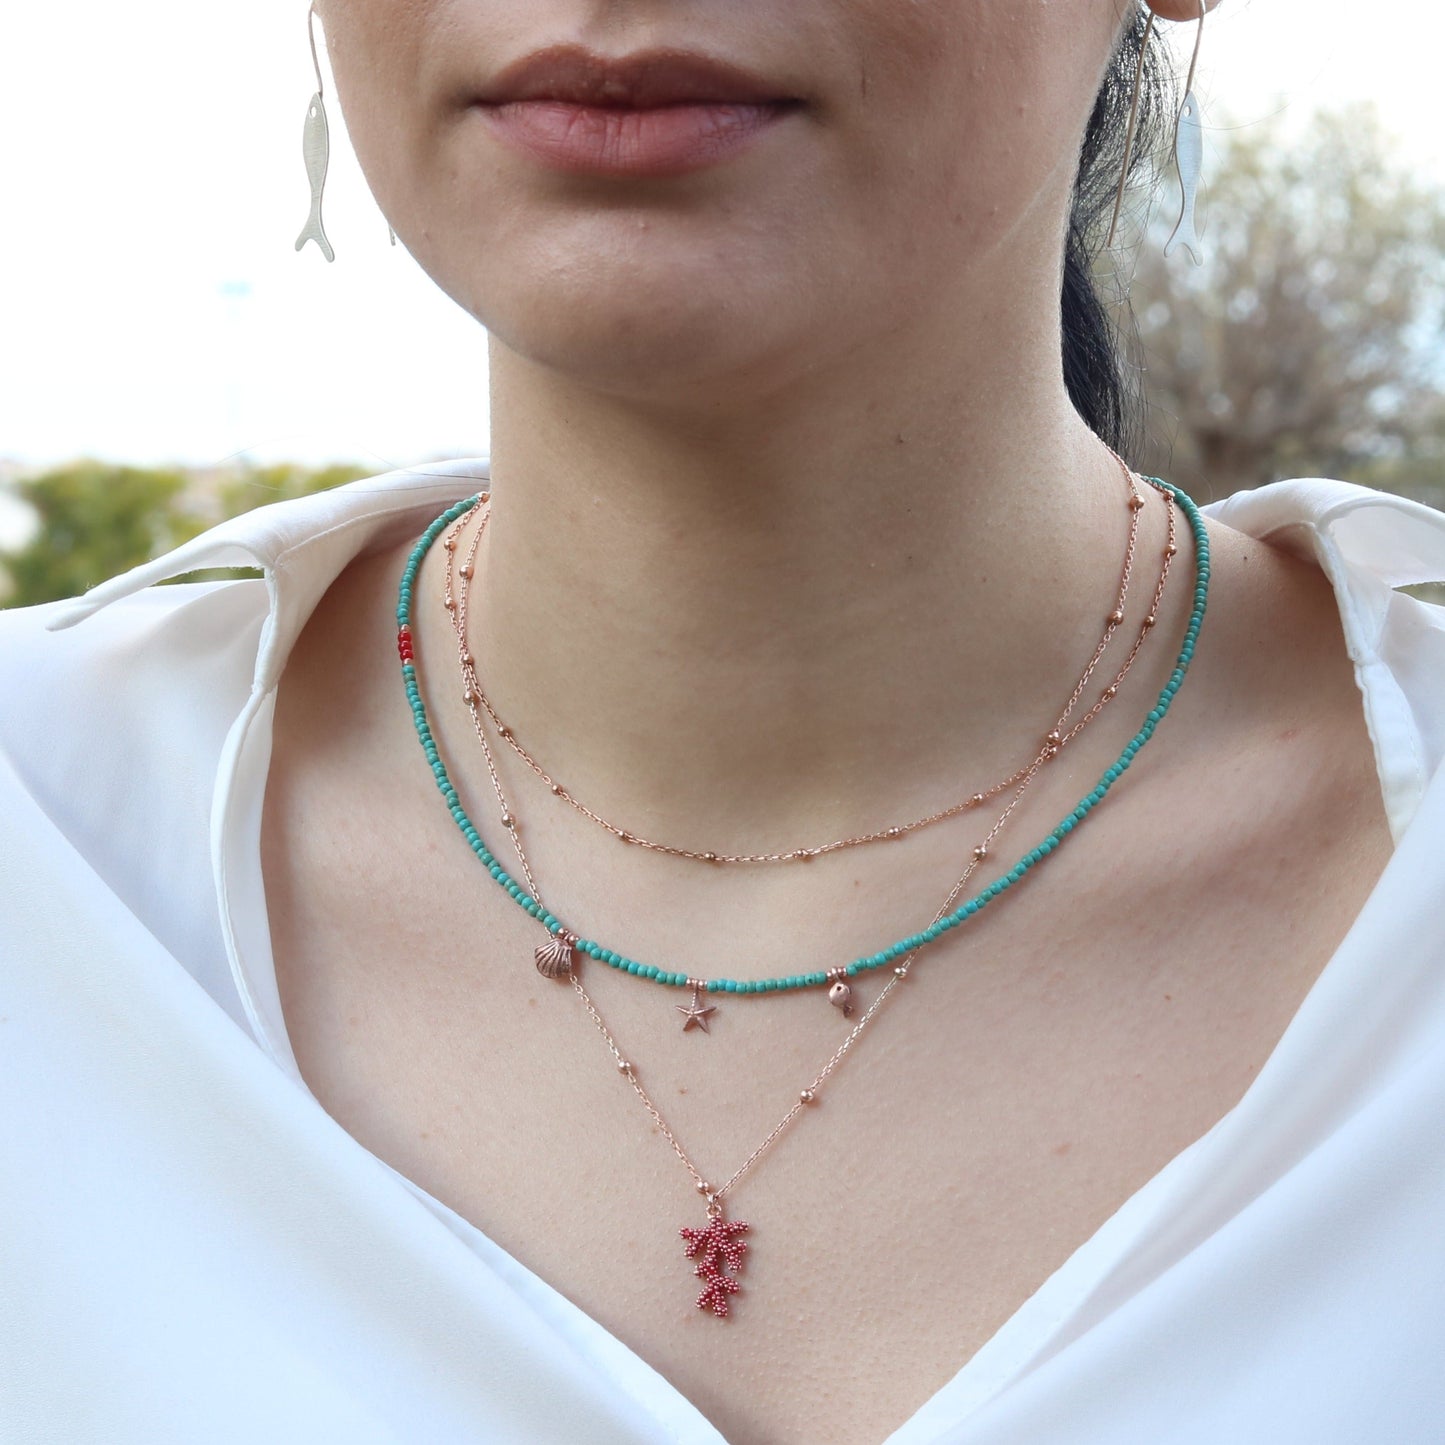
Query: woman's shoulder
(1370,544)
(111,735)
(117,696)
(110,738)
(1355,532)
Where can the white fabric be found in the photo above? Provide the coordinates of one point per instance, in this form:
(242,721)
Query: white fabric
(192,1249)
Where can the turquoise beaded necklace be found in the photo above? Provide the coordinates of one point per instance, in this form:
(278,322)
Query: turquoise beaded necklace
(868,962)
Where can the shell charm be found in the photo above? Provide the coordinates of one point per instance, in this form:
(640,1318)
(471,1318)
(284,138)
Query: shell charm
(840,995)
(554,958)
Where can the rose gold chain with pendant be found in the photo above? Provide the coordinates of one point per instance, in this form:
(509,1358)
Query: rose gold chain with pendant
(718,1248)
(1056,739)
(456,598)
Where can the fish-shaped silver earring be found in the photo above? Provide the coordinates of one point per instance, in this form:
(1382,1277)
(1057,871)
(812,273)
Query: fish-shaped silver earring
(1189,158)
(1188,147)
(316,148)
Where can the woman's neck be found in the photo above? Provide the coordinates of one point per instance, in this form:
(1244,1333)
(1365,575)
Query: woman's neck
(801,618)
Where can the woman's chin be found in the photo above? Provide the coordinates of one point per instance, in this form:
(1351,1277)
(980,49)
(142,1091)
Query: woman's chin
(649,344)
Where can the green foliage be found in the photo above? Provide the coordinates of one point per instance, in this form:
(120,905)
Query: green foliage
(95,520)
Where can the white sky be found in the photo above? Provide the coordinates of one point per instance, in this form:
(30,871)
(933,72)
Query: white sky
(152,307)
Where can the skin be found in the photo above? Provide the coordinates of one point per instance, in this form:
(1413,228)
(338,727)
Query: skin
(794,528)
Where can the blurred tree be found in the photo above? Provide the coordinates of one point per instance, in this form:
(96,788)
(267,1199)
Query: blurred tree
(1416,470)
(95,520)
(1312,340)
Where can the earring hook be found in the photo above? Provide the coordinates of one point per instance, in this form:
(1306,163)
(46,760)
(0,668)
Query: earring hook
(315,58)
(1198,41)
(1133,122)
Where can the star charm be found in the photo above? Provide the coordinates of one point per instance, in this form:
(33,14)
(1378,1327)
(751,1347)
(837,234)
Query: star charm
(695,1016)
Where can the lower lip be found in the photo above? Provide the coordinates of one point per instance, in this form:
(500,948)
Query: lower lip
(665,140)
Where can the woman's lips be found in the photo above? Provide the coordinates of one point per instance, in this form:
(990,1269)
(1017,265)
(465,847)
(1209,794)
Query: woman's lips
(658,112)
(661,140)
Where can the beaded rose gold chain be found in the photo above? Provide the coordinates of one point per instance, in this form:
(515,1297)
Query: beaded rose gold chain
(1057,737)
(555,957)
(719,1249)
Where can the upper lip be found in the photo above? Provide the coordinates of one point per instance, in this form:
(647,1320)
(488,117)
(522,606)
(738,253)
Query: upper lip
(643,79)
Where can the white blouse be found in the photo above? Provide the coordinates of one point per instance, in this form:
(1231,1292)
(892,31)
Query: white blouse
(192,1250)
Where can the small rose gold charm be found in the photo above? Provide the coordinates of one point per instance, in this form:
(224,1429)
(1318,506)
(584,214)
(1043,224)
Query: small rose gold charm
(840,995)
(554,958)
(693,1015)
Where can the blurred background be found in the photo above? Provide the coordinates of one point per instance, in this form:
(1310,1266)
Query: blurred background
(169,358)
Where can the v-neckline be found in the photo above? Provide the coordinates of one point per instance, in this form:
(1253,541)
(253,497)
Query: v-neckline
(1038,1327)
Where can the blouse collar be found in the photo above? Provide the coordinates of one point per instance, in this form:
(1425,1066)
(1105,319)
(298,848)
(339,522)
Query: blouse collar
(301,545)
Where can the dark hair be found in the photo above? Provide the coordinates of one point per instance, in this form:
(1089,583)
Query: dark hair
(1106,396)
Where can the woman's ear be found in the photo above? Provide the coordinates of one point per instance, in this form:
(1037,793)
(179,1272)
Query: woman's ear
(1179,9)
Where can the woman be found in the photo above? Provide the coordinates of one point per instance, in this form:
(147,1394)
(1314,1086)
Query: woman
(804,529)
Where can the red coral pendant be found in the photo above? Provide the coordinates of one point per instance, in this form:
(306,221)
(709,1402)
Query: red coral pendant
(716,1249)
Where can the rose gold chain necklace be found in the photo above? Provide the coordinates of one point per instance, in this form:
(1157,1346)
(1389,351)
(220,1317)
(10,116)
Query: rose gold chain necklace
(1056,738)
(718,1249)
(555,957)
